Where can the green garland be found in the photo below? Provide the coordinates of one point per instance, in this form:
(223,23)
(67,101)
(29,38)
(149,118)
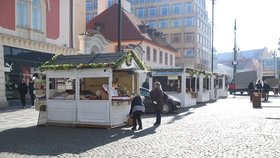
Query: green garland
(127,58)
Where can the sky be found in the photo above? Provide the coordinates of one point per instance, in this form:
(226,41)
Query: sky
(257,21)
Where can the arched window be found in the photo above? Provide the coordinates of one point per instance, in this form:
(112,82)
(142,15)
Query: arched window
(36,15)
(22,13)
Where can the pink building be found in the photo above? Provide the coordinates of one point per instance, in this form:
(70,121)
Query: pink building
(31,32)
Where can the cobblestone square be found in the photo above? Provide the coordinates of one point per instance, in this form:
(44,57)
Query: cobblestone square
(226,128)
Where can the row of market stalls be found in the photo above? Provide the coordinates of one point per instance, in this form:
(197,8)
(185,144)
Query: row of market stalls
(96,89)
(191,86)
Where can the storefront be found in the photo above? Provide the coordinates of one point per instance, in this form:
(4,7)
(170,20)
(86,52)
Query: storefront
(21,64)
(92,89)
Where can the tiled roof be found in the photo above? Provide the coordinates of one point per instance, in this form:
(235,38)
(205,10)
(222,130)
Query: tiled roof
(108,19)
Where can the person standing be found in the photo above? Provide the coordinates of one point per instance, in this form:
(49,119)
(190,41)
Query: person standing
(22,89)
(145,84)
(266,89)
(31,91)
(157,95)
(251,89)
(136,111)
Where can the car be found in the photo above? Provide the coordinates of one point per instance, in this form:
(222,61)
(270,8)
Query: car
(173,103)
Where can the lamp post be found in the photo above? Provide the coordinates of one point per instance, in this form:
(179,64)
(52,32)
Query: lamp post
(212,49)
(119,25)
(234,62)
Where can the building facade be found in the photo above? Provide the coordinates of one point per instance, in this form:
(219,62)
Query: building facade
(101,37)
(184,24)
(31,32)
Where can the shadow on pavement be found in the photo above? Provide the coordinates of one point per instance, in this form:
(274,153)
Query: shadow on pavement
(273,118)
(39,141)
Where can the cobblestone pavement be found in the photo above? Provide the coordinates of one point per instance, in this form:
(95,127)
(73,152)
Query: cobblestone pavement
(227,128)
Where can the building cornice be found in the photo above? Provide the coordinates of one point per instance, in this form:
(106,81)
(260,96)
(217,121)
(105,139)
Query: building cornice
(23,43)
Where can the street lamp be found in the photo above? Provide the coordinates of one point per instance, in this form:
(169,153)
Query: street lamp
(212,49)
(234,62)
(119,25)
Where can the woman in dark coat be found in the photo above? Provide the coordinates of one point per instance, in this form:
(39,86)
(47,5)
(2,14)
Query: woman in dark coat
(22,89)
(136,111)
(157,95)
(31,91)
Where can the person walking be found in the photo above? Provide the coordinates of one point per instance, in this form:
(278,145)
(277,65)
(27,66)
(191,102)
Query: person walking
(31,91)
(266,89)
(22,89)
(251,89)
(157,98)
(136,111)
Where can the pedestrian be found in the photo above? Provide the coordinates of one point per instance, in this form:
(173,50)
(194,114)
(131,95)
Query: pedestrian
(31,91)
(136,111)
(259,86)
(157,98)
(145,84)
(251,89)
(266,89)
(278,88)
(22,89)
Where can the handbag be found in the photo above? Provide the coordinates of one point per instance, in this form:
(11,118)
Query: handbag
(129,121)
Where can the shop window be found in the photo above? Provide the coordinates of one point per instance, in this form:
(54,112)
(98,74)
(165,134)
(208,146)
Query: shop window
(169,83)
(62,88)
(94,88)
(206,83)
(148,55)
(220,83)
(190,84)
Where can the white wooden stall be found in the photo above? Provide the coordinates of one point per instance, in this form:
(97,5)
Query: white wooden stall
(98,97)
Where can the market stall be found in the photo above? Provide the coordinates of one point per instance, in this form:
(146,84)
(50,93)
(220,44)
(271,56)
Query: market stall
(191,87)
(204,88)
(91,89)
(222,86)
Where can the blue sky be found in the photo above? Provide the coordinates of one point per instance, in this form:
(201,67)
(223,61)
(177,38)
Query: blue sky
(258,24)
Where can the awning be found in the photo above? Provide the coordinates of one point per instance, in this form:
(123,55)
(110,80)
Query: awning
(167,73)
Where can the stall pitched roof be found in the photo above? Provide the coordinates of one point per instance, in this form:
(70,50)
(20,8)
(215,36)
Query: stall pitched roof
(83,61)
(87,58)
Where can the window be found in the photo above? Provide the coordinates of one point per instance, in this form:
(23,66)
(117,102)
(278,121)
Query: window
(141,1)
(175,22)
(36,15)
(177,9)
(166,59)
(188,52)
(152,24)
(62,88)
(152,12)
(163,24)
(22,13)
(155,55)
(189,37)
(140,13)
(148,54)
(93,88)
(171,60)
(189,21)
(89,6)
(176,38)
(189,8)
(164,10)
(160,57)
